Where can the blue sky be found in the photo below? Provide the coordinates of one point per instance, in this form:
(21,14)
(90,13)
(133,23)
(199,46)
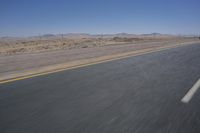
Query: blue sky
(33,17)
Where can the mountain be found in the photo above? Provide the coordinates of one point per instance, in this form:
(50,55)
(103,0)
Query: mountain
(85,35)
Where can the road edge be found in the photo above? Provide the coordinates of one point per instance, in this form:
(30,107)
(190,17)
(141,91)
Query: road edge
(84,62)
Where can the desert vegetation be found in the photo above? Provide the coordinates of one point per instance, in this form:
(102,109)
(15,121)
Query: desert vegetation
(32,45)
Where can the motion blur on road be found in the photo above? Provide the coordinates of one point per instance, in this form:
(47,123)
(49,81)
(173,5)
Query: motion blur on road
(136,94)
(99,66)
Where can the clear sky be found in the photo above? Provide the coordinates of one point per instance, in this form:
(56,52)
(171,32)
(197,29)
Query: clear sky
(33,17)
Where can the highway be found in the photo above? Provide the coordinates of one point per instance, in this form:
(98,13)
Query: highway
(141,94)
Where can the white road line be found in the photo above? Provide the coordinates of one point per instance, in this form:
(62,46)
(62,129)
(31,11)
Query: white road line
(191,92)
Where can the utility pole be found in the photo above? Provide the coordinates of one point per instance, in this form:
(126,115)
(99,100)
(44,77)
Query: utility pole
(101,38)
(40,37)
(62,37)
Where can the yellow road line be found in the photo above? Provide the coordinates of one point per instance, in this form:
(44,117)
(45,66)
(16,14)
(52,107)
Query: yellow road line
(84,65)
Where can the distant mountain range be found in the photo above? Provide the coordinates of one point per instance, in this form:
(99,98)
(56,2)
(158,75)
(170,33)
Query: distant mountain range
(85,35)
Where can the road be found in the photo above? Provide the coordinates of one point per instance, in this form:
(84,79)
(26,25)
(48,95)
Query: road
(139,94)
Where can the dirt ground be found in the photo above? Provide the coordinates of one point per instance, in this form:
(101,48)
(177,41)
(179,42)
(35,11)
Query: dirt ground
(35,45)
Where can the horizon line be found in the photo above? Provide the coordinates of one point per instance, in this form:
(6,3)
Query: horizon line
(96,34)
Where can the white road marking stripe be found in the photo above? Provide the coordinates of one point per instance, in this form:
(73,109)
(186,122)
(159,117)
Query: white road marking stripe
(191,92)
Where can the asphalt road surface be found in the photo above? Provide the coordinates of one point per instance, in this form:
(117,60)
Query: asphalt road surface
(139,94)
